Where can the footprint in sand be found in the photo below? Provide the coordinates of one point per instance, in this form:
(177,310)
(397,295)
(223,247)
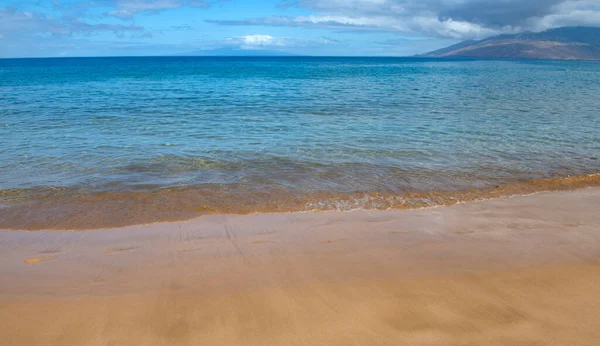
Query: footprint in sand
(36,260)
(398,232)
(49,251)
(262,242)
(189,250)
(121,250)
(380,220)
(329,241)
(466,231)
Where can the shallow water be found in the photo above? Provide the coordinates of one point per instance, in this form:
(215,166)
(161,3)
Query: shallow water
(89,143)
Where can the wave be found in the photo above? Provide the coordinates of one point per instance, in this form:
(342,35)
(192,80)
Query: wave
(77,209)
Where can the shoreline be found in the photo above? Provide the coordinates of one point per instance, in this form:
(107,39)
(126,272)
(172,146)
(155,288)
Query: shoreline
(108,210)
(516,270)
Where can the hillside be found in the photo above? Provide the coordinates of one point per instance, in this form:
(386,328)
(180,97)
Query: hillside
(567,43)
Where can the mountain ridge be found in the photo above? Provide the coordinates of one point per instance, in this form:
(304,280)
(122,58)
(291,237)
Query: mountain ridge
(565,43)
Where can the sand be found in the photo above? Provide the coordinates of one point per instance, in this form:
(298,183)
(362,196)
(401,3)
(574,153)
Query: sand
(522,270)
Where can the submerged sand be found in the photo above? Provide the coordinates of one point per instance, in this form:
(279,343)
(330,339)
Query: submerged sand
(522,270)
(72,209)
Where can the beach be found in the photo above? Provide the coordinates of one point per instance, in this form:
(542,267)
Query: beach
(210,173)
(519,270)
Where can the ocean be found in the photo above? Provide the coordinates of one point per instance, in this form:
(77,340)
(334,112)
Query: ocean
(106,142)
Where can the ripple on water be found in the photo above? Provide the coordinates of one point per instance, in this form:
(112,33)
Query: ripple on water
(155,139)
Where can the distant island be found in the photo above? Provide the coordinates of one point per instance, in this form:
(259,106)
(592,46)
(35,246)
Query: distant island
(236,51)
(566,43)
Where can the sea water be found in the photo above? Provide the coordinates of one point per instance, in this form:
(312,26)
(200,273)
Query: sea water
(98,142)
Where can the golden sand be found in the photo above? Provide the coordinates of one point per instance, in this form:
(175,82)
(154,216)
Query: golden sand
(120,250)
(545,306)
(36,260)
(190,250)
(518,271)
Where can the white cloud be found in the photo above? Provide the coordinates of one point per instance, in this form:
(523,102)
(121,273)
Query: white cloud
(19,24)
(261,41)
(569,13)
(258,40)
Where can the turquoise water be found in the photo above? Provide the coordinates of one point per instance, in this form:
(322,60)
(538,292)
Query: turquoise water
(231,129)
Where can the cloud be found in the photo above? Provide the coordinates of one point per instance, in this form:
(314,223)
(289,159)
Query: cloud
(260,41)
(18,24)
(81,17)
(183,27)
(430,26)
(570,13)
(127,9)
(457,19)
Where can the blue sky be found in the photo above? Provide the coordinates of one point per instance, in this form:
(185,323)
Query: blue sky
(307,27)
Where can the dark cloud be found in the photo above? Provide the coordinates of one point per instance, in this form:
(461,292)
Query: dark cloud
(499,13)
(457,19)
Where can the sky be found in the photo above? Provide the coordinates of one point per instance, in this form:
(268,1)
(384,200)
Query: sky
(56,28)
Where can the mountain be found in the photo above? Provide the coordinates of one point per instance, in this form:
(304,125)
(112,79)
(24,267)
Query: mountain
(234,51)
(566,43)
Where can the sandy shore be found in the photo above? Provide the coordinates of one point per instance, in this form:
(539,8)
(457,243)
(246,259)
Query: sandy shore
(524,270)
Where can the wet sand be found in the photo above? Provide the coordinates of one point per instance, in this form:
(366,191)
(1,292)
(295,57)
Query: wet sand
(73,209)
(522,270)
